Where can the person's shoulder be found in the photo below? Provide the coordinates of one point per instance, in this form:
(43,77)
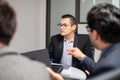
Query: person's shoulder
(18,63)
(58,36)
(18,58)
(109,75)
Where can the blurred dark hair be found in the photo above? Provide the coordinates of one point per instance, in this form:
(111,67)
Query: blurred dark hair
(72,18)
(105,19)
(7,22)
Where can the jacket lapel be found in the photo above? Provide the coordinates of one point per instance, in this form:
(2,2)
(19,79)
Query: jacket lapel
(75,41)
(60,52)
(74,45)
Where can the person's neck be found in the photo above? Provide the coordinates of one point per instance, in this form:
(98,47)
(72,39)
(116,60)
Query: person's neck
(69,37)
(103,45)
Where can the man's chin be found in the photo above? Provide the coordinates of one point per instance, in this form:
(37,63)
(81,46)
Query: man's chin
(62,34)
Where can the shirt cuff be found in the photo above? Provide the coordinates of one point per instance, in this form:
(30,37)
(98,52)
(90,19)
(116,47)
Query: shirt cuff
(83,59)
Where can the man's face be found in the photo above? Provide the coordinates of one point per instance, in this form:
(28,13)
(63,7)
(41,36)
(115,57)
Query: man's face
(66,28)
(93,38)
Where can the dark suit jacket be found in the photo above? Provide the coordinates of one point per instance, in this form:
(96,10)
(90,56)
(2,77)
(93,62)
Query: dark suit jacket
(81,41)
(109,60)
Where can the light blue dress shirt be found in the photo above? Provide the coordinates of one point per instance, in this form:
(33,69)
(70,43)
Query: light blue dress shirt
(67,59)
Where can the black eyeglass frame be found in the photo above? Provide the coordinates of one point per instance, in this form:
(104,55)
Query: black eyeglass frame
(65,25)
(88,28)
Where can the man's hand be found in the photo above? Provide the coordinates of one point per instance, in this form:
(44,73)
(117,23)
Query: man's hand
(76,53)
(53,75)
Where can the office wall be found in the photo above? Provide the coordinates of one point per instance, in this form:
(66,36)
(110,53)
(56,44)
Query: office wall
(31,26)
(86,5)
(59,8)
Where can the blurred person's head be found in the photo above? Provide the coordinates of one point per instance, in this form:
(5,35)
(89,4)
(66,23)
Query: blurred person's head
(13,66)
(104,24)
(7,23)
(67,25)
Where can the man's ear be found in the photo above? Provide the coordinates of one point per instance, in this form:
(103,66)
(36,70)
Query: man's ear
(95,34)
(74,27)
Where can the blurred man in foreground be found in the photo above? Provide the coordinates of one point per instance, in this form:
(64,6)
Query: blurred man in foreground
(104,31)
(13,66)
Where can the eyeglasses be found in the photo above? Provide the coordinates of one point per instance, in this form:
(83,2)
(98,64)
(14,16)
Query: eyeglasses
(63,25)
(88,29)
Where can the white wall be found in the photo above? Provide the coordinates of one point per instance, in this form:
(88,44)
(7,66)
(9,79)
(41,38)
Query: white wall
(59,8)
(31,28)
(86,5)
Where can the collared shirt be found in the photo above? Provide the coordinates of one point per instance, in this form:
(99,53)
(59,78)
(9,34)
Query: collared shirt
(67,59)
(5,49)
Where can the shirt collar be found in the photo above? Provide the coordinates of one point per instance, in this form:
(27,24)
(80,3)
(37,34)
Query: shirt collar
(6,49)
(70,41)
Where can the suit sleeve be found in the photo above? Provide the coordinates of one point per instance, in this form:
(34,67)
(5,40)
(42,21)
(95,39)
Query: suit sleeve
(89,64)
(51,49)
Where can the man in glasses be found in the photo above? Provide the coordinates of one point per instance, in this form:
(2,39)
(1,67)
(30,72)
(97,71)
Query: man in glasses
(68,39)
(104,31)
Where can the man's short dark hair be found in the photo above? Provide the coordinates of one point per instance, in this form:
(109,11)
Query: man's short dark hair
(105,19)
(72,18)
(7,22)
